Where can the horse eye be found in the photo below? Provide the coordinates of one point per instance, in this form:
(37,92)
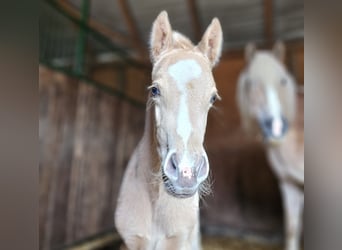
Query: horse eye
(155,91)
(213,99)
(283,81)
(248,84)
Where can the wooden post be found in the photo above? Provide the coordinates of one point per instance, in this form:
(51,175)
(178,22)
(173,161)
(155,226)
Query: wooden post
(268,22)
(196,24)
(133,29)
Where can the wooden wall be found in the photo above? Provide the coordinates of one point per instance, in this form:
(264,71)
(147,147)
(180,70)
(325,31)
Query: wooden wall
(86,138)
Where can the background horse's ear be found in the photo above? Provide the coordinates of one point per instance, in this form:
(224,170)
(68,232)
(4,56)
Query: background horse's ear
(250,50)
(161,36)
(279,51)
(211,43)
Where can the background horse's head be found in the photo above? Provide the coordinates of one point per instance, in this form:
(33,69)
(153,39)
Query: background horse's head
(182,91)
(266,93)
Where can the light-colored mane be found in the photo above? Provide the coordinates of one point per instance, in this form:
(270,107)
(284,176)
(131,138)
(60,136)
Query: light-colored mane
(266,97)
(158,204)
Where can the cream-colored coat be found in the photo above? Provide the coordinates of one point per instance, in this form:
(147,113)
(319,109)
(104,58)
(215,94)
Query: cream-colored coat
(147,216)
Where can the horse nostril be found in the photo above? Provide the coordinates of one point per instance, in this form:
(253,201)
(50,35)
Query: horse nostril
(187,172)
(266,126)
(171,167)
(174,162)
(268,123)
(202,168)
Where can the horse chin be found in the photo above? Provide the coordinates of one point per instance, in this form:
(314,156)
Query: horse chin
(274,141)
(176,192)
(181,194)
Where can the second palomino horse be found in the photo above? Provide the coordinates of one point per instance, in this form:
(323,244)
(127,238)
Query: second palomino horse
(266,96)
(158,204)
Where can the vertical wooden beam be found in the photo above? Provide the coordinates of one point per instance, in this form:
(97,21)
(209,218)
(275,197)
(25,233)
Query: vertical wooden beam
(133,28)
(195,20)
(268,22)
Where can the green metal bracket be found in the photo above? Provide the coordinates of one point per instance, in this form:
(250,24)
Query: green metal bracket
(82,39)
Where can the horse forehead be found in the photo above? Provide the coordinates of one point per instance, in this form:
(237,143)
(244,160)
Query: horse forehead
(265,68)
(184,70)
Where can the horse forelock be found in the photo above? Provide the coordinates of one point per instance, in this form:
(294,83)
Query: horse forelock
(264,65)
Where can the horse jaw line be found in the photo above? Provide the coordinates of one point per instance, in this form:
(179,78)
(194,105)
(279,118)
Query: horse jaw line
(182,72)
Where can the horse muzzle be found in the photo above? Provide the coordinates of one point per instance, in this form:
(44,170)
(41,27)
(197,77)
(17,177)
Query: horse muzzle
(182,177)
(274,129)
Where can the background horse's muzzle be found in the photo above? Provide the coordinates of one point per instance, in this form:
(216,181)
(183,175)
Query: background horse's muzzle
(273,128)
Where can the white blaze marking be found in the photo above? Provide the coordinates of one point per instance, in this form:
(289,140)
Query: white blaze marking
(275,110)
(277,127)
(273,103)
(182,72)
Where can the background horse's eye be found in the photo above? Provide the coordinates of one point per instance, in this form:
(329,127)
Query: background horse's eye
(248,84)
(155,91)
(283,81)
(213,99)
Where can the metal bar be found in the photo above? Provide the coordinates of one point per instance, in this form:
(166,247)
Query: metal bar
(101,38)
(81,46)
(114,36)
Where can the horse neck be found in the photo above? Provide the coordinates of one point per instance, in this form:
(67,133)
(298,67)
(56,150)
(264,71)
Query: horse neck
(292,140)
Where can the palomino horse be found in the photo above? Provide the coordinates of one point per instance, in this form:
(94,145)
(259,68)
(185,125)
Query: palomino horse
(158,205)
(266,97)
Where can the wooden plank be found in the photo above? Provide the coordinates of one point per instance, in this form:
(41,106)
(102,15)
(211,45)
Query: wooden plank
(66,113)
(87,137)
(45,171)
(195,19)
(56,133)
(97,167)
(100,242)
(87,162)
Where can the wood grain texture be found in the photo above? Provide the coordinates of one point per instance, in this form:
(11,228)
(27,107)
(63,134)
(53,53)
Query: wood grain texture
(86,138)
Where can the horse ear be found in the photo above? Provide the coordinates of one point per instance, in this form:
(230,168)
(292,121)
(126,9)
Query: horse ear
(161,36)
(250,50)
(279,51)
(211,43)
